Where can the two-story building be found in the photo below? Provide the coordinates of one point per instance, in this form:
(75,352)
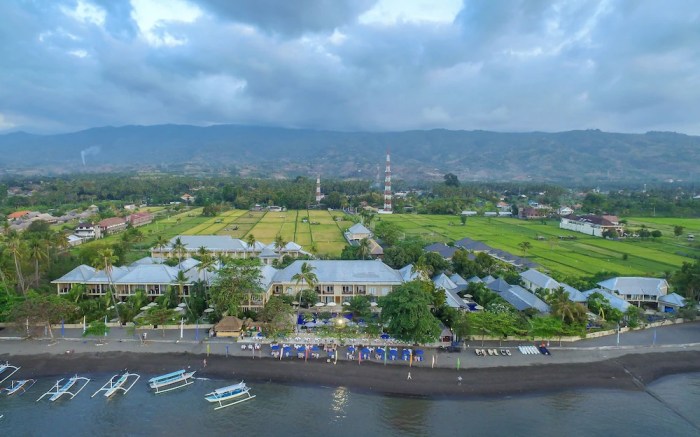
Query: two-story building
(112,225)
(88,231)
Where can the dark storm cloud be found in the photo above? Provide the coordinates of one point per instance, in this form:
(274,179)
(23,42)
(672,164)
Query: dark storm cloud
(502,65)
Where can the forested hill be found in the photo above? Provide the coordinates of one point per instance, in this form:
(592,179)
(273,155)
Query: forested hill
(575,156)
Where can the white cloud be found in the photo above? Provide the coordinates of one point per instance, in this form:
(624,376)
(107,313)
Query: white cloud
(390,12)
(79,53)
(6,124)
(86,12)
(154,16)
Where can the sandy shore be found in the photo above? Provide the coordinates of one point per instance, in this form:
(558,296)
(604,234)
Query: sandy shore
(628,372)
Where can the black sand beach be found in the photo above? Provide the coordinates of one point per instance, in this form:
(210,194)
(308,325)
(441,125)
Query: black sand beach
(628,372)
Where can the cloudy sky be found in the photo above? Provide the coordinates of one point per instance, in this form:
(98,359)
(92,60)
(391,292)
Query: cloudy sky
(504,65)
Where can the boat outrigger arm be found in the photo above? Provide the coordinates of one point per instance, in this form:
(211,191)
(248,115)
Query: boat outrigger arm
(118,382)
(171,381)
(19,386)
(7,367)
(59,390)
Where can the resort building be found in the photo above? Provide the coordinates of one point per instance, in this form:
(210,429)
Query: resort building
(225,245)
(357,232)
(533,280)
(636,290)
(592,224)
(671,303)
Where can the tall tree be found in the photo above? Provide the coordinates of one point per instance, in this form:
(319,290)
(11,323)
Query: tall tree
(105,261)
(562,307)
(16,247)
(406,310)
(237,281)
(179,248)
(43,310)
(37,252)
(525,246)
(364,248)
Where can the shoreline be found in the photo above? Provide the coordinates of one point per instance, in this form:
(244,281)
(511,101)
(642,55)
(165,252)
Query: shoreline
(631,371)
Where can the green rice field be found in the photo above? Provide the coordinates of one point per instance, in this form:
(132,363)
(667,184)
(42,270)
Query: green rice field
(582,256)
(317,231)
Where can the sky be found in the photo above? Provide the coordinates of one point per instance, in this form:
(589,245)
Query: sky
(371,65)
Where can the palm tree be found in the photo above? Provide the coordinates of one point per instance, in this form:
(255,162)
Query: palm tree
(306,275)
(37,252)
(525,246)
(206,264)
(202,251)
(181,280)
(179,248)
(161,243)
(16,248)
(364,248)
(279,242)
(563,307)
(105,261)
(250,239)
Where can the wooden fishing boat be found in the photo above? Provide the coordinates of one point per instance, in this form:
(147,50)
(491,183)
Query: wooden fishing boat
(20,386)
(230,395)
(59,390)
(122,382)
(171,381)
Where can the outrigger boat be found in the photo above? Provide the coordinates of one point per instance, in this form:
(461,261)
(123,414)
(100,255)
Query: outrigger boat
(221,395)
(171,381)
(59,390)
(118,382)
(20,386)
(7,367)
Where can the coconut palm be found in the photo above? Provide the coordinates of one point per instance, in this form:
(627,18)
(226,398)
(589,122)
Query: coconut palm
(525,246)
(306,276)
(206,264)
(181,280)
(364,248)
(37,252)
(161,242)
(179,248)
(105,261)
(16,247)
(564,308)
(279,242)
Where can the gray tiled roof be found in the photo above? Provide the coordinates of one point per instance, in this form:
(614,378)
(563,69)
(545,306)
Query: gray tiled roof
(673,299)
(359,228)
(539,279)
(79,274)
(498,285)
(442,249)
(522,299)
(344,271)
(574,294)
(636,285)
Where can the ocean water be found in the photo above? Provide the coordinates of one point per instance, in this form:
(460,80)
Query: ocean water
(668,408)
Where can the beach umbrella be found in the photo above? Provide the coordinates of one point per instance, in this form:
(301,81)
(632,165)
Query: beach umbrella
(152,304)
(209,310)
(320,304)
(419,352)
(301,349)
(330,304)
(181,305)
(146,308)
(346,303)
(351,349)
(385,336)
(310,324)
(275,347)
(374,304)
(315,348)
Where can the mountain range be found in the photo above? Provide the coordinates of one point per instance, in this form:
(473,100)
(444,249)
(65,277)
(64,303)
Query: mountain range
(574,156)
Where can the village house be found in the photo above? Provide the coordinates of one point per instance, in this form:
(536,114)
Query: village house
(88,231)
(18,215)
(139,218)
(531,213)
(357,232)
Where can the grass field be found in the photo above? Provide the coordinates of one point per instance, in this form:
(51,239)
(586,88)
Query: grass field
(583,256)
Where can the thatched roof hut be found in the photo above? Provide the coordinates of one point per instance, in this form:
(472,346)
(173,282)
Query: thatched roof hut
(229,326)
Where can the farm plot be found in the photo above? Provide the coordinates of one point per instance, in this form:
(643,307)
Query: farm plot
(578,256)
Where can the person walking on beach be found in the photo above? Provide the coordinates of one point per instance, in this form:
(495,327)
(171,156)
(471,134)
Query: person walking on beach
(409,376)
(204,362)
(144,338)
